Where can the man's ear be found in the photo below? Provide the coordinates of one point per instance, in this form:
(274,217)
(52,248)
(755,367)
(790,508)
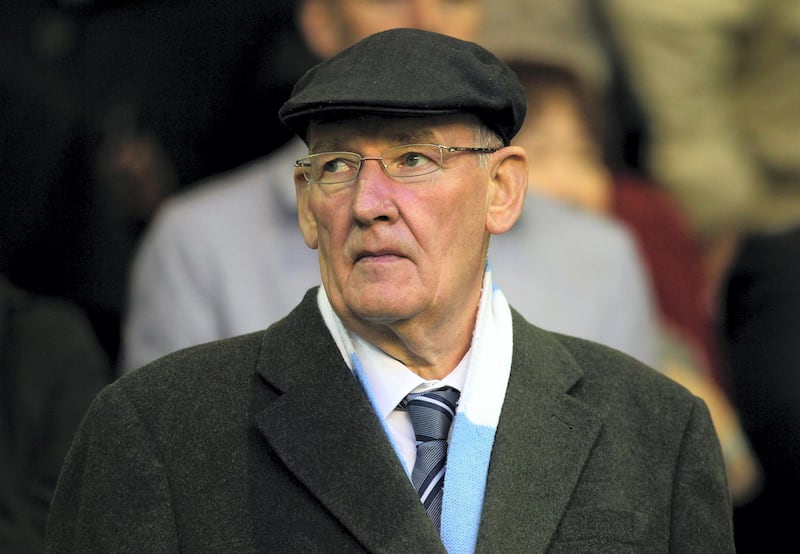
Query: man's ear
(305,217)
(320,27)
(508,187)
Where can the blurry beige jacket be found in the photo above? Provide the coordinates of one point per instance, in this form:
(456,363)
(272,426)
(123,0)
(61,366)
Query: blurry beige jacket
(721,82)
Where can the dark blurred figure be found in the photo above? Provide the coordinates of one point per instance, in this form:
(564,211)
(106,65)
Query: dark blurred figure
(761,324)
(109,106)
(51,367)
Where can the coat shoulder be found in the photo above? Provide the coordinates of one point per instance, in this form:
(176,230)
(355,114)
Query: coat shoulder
(220,372)
(597,374)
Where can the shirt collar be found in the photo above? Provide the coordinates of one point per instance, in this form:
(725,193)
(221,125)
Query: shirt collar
(389,381)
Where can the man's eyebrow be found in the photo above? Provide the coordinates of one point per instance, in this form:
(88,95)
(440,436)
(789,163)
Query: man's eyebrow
(415,137)
(326,146)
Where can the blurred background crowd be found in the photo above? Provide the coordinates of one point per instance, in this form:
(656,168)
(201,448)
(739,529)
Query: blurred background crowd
(146,186)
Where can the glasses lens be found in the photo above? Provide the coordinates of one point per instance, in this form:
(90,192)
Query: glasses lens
(331,167)
(412,160)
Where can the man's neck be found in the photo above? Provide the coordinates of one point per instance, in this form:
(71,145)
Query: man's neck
(430,350)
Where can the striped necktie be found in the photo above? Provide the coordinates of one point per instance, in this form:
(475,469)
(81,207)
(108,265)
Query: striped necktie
(431,414)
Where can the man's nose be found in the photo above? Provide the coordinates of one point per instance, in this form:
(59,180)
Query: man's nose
(373,199)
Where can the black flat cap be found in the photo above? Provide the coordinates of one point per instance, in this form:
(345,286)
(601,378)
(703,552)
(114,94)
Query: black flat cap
(409,72)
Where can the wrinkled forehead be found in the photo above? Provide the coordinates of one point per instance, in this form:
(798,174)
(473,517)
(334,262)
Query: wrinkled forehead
(346,132)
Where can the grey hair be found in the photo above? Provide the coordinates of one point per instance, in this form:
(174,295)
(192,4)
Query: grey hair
(486,138)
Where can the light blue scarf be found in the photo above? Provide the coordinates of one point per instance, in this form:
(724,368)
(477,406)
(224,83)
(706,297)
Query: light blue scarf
(476,418)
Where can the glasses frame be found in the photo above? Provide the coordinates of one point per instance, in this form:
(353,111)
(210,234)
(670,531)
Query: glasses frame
(305,161)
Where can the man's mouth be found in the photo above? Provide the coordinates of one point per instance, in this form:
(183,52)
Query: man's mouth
(378,256)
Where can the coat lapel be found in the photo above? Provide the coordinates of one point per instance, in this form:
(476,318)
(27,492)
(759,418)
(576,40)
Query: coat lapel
(542,444)
(325,432)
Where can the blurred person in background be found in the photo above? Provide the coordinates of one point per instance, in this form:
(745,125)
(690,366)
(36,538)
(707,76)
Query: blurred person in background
(51,367)
(760,323)
(110,106)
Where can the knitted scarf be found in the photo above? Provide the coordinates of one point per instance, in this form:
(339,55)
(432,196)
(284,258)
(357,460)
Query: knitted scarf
(477,414)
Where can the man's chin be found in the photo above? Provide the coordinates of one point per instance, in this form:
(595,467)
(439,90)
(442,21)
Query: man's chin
(378,306)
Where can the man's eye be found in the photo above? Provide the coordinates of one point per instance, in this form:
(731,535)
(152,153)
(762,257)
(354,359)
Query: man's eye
(336,165)
(410,161)
(415,159)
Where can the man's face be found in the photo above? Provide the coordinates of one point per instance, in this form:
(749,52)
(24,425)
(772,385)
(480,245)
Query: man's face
(354,20)
(394,251)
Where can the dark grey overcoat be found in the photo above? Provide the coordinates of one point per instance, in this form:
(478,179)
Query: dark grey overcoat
(266,443)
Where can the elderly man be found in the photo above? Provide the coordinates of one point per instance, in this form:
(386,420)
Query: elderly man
(330,431)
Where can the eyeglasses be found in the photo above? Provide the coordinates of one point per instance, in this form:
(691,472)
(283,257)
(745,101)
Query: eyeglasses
(399,162)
